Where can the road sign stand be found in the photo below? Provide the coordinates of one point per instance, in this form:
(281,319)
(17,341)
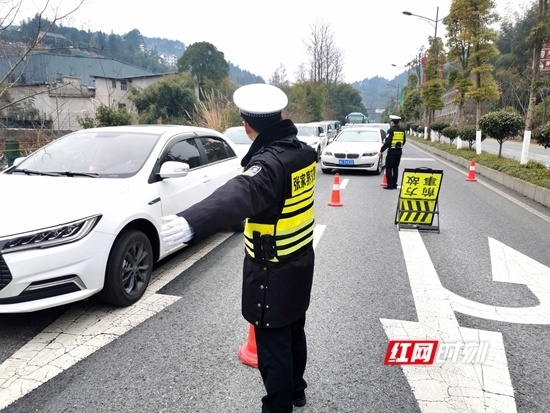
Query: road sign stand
(420,227)
(417,206)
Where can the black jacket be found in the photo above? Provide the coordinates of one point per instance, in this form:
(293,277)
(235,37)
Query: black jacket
(274,294)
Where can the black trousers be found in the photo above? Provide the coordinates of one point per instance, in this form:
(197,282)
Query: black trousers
(282,357)
(392,168)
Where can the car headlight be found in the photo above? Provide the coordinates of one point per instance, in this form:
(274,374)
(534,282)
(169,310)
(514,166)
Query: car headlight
(370,153)
(327,153)
(49,237)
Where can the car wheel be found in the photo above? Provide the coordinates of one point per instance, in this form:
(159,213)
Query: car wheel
(318,154)
(128,270)
(326,170)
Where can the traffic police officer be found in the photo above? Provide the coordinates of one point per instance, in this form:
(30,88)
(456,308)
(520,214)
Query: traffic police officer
(394,142)
(275,194)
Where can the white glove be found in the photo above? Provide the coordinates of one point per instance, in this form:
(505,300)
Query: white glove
(176,230)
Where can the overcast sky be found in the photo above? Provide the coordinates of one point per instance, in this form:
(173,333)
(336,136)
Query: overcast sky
(258,36)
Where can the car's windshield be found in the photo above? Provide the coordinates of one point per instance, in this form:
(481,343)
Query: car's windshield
(238,136)
(358,136)
(307,130)
(111,154)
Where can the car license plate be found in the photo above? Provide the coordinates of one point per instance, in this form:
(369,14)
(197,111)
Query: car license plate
(345,161)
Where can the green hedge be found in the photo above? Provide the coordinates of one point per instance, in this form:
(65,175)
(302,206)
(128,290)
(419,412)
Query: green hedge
(533,172)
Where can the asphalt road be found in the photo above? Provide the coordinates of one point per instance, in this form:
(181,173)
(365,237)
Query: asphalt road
(177,350)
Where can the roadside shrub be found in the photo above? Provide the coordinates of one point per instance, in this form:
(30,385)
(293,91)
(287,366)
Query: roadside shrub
(501,126)
(533,172)
(542,135)
(451,132)
(438,128)
(468,134)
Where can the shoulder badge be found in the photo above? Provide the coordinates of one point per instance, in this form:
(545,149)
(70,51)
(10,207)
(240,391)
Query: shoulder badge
(253,170)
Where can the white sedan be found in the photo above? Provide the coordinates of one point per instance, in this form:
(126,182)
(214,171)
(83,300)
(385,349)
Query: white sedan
(84,212)
(355,148)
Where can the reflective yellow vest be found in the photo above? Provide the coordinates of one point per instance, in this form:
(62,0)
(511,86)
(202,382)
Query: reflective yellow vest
(397,139)
(293,230)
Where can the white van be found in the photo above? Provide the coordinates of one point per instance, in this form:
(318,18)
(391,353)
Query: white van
(330,128)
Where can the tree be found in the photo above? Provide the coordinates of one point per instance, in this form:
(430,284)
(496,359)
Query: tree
(539,35)
(106,116)
(342,99)
(325,59)
(279,77)
(204,62)
(501,126)
(306,102)
(412,102)
(459,45)
(432,89)
(171,100)
(471,45)
(477,18)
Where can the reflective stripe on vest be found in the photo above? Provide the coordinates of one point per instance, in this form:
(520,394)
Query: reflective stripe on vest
(397,139)
(293,230)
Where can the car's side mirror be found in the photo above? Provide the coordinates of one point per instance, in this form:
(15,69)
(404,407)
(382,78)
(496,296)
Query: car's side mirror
(171,169)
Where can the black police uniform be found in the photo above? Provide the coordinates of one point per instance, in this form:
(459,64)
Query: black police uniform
(274,193)
(394,142)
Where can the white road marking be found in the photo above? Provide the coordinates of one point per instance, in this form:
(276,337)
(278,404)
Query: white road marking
(85,328)
(317,234)
(344,183)
(419,159)
(450,386)
(511,266)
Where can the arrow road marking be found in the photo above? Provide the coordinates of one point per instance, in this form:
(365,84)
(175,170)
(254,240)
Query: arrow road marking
(449,386)
(511,266)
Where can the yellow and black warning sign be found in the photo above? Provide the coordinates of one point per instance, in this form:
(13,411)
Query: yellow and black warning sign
(417,206)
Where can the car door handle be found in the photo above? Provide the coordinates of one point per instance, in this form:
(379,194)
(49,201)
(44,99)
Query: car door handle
(206,179)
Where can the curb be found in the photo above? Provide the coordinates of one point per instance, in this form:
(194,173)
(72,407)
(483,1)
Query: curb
(527,189)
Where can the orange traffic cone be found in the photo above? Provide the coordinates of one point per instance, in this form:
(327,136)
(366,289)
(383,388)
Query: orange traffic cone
(472,172)
(248,352)
(335,197)
(384,180)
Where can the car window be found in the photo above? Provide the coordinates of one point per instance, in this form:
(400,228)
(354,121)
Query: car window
(109,154)
(238,136)
(359,136)
(216,149)
(185,151)
(307,130)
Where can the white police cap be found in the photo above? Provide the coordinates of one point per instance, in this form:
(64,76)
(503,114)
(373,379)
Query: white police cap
(395,117)
(260,100)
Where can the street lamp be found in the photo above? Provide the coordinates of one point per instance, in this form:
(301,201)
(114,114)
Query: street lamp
(433,22)
(408,68)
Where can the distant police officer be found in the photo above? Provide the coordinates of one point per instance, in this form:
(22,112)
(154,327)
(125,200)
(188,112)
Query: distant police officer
(395,140)
(275,193)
